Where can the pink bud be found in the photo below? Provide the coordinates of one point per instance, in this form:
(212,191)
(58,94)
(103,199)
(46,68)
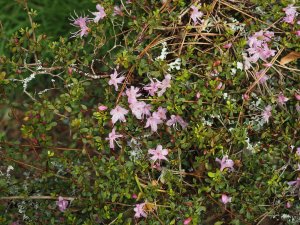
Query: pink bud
(267,64)
(288,205)
(227,46)
(102,108)
(70,70)
(297,96)
(298,33)
(225,199)
(246,97)
(187,221)
(198,95)
(219,86)
(134,196)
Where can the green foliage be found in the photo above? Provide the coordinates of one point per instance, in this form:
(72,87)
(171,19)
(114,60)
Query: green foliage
(54,137)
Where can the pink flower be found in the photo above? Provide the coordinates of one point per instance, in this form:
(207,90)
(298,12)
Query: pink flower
(139,210)
(198,95)
(281,99)
(81,23)
(227,46)
(132,94)
(288,205)
(158,154)
(112,138)
(62,204)
(225,199)
(258,48)
(267,113)
(295,183)
(161,113)
(177,119)
(102,108)
(134,196)
(298,33)
(100,14)
(225,163)
(219,86)
(297,96)
(118,113)
(263,79)
(153,121)
(196,15)
(140,109)
(152,88)
(298,151)
(290,14)
(115,80)
(246,97)
(187,221)
(166,83)
(118,11)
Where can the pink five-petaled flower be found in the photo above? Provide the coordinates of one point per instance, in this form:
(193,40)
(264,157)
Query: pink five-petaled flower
(225,163)
(112,138)
(290,14)
(152,88)
(140,109)
(161,113)
(115,80)
(139,210)
(187,221)
(295,183)
(281,99)
(166,83)
(118,113)
(158,154)
(132,94)
(62,204)
(266,114)
(81,23)
(225,199)
(176,119)
(153,121)
(100,14)
(196,15)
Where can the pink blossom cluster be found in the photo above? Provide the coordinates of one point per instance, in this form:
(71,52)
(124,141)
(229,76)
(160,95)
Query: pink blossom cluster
(259,48)
(81,22)
(158,87)
(140,109)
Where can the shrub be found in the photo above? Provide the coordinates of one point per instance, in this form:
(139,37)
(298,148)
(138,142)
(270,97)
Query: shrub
(154,112)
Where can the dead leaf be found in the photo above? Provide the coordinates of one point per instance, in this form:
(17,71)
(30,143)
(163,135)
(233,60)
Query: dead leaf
(292,56)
